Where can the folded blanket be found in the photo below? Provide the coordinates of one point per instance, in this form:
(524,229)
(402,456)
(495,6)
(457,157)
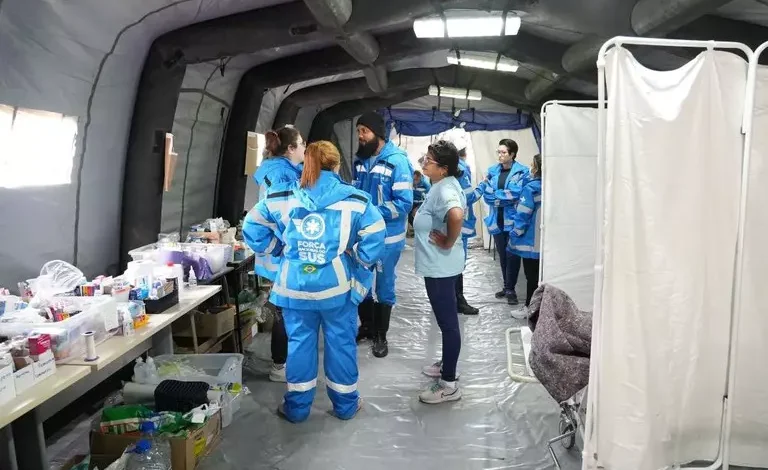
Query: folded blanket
(560,346)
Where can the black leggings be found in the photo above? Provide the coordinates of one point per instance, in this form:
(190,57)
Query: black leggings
(531,269)
(279,339)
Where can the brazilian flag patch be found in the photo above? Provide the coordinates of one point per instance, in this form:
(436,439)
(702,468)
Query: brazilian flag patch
(309,269)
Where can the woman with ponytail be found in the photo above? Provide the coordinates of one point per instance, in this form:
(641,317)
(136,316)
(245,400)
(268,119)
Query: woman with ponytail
(330,237)
(283,155)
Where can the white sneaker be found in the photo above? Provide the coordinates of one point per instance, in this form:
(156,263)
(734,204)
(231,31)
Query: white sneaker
(522,313)
(435,370)
(277,373)
(440,392)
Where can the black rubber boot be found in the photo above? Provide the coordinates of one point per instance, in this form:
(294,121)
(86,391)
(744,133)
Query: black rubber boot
(365,311)
(381,316)
(461,303)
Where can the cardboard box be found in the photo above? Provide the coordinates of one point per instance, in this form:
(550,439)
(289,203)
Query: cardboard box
(217,322)
(38,371)
(7,387)
(185,453)
(69,464)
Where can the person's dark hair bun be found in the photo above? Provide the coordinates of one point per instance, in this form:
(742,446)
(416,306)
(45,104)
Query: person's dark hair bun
(446,156)
(272,142)
(277,142)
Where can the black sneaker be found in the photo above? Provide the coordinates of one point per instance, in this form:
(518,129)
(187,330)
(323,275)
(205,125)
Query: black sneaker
(501,294)
(512,299)
(380,347)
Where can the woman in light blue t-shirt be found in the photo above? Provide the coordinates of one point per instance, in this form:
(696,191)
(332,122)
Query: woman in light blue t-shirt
(440,260)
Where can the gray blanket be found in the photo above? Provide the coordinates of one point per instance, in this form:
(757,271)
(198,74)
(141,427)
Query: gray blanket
(560,346)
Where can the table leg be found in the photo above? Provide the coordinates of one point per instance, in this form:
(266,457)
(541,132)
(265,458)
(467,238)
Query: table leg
(195,346)
(162,342)
(7,449)
(238,337)
(31,452)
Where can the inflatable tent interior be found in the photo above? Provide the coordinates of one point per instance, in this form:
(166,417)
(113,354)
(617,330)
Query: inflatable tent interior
(113,75)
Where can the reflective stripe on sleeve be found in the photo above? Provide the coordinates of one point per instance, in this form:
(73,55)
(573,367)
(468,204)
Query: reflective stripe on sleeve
(403,185)
(259,219)
(394,239)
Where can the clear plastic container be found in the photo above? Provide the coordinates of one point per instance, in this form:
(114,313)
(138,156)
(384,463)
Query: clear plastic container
(151,452)
(67,341)
(214,369)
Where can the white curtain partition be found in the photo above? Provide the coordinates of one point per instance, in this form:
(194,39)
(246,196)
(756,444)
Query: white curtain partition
(672,186)
(749,437)
(568,203)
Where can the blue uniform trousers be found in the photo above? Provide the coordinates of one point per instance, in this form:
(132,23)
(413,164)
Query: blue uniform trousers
(340,349)
(386,274)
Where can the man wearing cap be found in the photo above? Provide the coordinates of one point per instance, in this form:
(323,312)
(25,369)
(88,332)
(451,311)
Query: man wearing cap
(382,170)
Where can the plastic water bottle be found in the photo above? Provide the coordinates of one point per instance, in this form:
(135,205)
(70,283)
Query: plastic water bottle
(151,376)
(151,452)
(192,278)
(138,371)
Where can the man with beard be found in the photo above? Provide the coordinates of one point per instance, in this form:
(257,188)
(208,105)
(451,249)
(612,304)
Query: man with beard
(382,170)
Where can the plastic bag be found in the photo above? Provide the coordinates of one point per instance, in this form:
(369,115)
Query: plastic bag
(56,277)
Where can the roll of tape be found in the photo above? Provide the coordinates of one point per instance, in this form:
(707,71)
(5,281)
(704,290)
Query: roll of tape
(90,346)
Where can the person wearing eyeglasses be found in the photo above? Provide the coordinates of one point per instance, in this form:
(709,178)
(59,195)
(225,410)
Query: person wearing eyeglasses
(524,240)
(283,157)
(439,254)
(501,190)
(458,137)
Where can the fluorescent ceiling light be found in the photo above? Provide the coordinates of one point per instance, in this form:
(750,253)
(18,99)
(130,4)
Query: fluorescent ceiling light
(483,60)
(457,93)
(467,24)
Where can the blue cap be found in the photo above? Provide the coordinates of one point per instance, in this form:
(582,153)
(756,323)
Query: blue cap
(147,426)
(142,447)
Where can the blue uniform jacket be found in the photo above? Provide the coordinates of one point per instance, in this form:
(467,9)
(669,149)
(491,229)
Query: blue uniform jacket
(524,239)
(420,190)
(472,195)
(272,171)
(388,179)
(330,237)
(506,198)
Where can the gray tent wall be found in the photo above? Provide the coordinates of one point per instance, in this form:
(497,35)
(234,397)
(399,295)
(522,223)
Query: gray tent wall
(202,112)
(82,59)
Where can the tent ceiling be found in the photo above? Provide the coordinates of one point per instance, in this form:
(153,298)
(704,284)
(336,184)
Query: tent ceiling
(85,57)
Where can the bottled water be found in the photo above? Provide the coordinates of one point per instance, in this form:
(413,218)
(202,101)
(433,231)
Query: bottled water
(151,375)
(151,452)
(138,371)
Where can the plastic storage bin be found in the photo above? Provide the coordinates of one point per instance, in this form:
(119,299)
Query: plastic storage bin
(98,314)
(214,369)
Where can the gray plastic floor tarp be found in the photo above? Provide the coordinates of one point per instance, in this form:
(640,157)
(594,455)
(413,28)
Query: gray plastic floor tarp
(498,424)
